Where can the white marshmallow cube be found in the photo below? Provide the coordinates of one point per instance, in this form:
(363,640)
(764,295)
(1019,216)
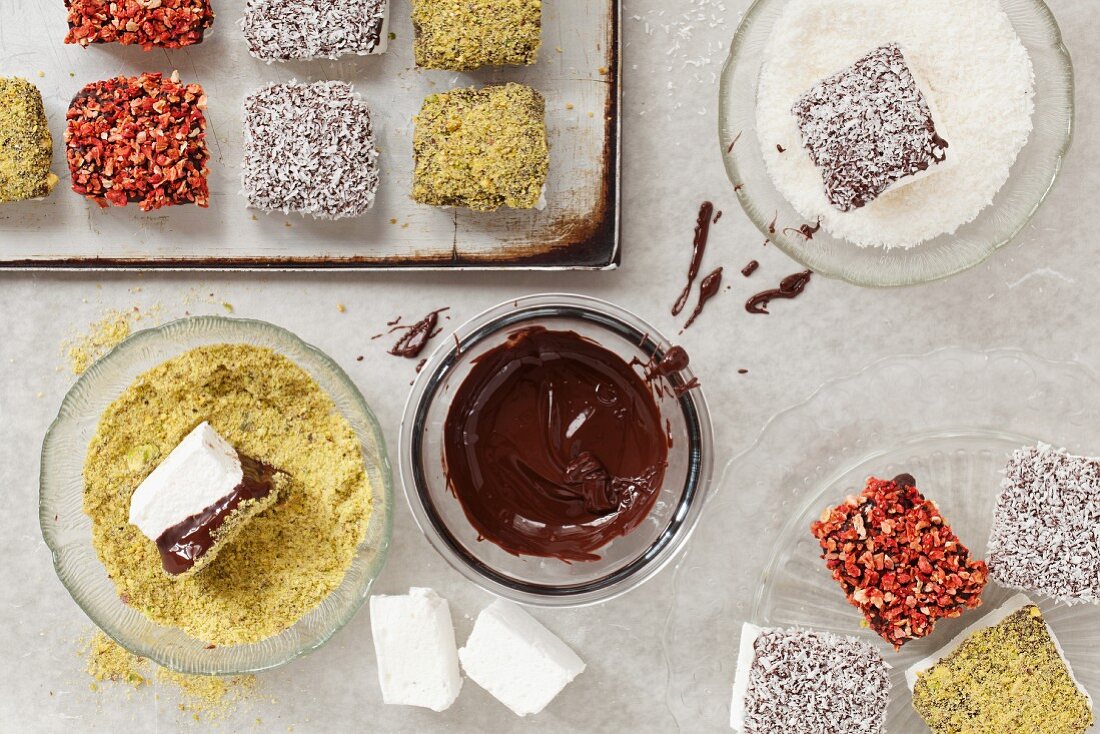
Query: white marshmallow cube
(520,662)
(414,643)
(201,470)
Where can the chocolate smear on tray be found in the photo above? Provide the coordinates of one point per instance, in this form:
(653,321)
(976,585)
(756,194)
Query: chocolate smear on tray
(790,287)
(733,143)
(184,543)
(698,248)
(554,445)
(416,336)
(708,289)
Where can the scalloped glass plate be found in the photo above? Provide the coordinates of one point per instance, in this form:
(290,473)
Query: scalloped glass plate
(67,530)
(950,418)
(1029,182)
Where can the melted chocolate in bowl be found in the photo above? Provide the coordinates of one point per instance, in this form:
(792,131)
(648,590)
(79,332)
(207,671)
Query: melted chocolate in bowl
(554,445)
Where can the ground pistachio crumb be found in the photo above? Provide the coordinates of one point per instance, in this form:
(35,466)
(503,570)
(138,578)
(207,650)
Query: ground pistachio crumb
(481,148)
(26,146)
(106,660)
(102,336)
(206,696)
(1006,678)
(292,555)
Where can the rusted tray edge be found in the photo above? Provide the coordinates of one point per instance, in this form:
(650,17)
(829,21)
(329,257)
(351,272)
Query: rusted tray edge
(601,250)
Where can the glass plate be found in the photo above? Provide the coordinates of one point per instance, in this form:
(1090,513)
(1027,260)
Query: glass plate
(68,531)
(1029,182)
(950,418)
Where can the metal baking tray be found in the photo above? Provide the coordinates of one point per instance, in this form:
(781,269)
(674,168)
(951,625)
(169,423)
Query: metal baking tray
(578,72)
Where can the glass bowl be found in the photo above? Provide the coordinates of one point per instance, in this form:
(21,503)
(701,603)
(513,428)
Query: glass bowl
(950,417)
(1030,180)
(625,562)
(68,531)
(961,471)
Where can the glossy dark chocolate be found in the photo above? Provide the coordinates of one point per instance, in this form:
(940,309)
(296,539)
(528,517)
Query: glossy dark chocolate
(708,289)
(416,336)
(698,249)
(554,445)
(790,287)
(182,545)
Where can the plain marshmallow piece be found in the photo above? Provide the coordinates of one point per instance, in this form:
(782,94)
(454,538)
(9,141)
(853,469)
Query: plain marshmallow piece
(520,662)
(201,470)
(414,643)
(992,619)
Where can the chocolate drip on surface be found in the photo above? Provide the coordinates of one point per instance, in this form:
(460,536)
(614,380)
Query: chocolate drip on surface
(699,246)
(554,446)
(183,544)
(750,268)
(790,287)
(708,289)
(675,359)
(416,336)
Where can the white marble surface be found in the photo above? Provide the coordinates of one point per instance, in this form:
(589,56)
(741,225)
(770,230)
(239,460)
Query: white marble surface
(1040,293)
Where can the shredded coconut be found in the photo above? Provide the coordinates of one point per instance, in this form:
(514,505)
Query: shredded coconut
(1046,527)
(309,148)
(868,128)
(807,682)
(981,86)
(314,29)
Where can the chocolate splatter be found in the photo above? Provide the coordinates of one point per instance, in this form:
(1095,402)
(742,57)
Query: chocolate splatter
(733,142)
(789,287)
(750,268)
(699,246)
(416,336)
(780,148)
(708,288)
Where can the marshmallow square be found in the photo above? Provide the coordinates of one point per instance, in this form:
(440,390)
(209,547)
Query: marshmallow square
(520,662)
(414,643)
